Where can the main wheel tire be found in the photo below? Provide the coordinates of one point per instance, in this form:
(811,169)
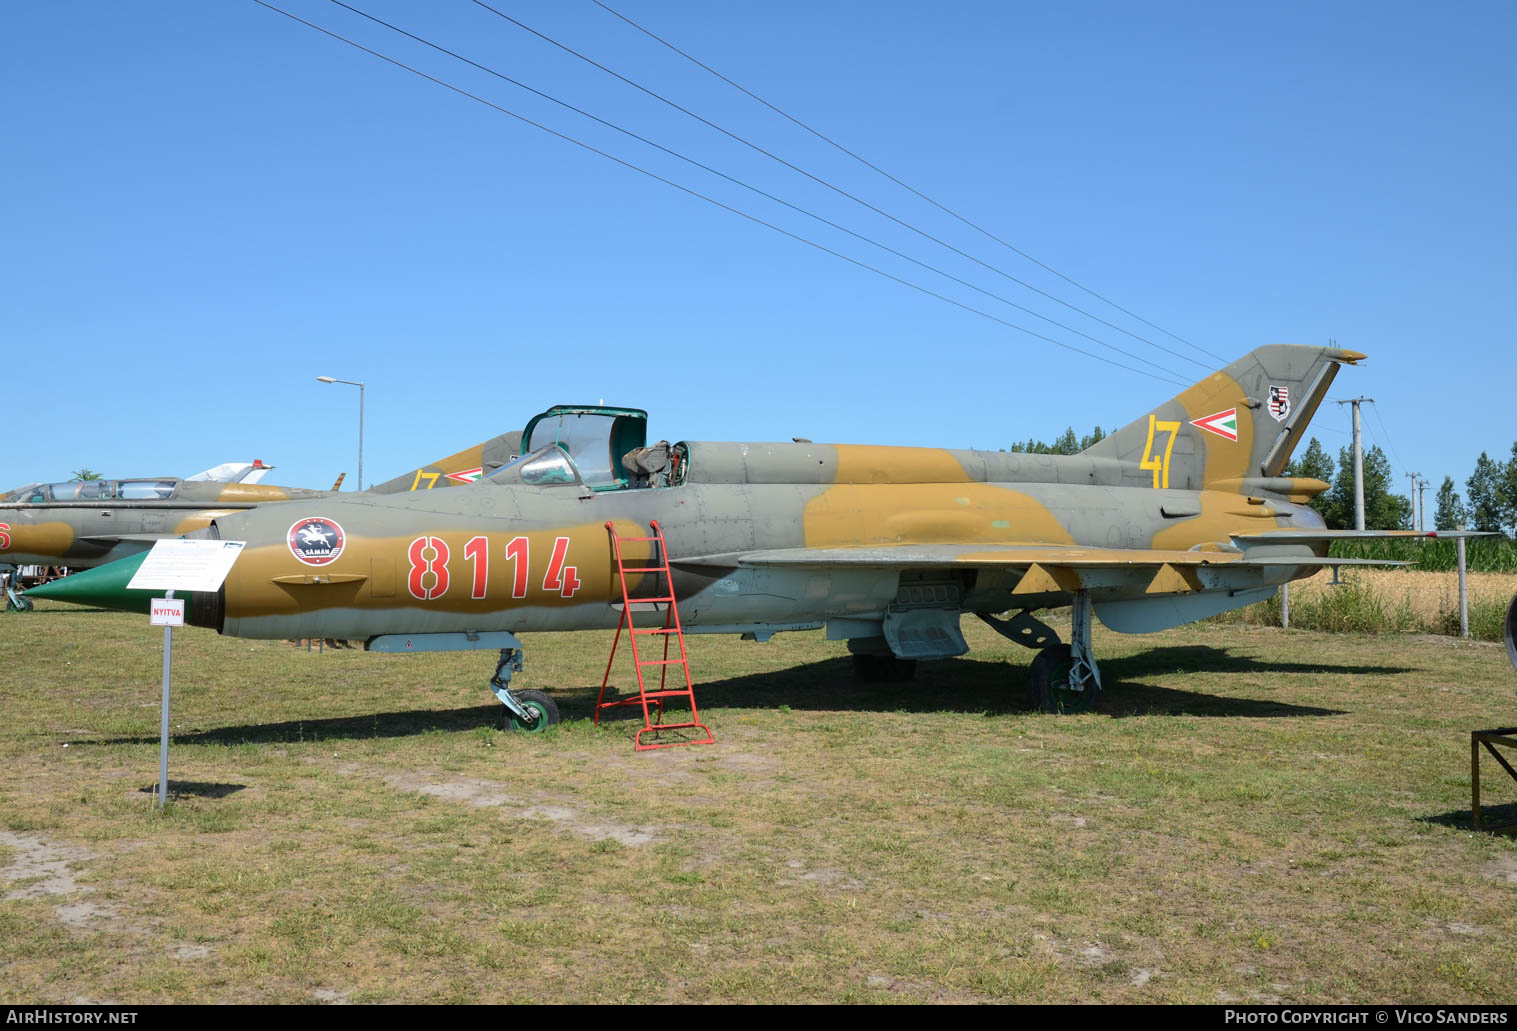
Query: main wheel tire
(1048,682)
(883,669)
(540,706)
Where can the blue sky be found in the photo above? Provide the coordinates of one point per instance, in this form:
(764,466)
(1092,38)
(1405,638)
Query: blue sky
(206,206)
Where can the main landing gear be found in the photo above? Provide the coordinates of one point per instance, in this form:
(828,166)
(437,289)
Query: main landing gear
(1063,678)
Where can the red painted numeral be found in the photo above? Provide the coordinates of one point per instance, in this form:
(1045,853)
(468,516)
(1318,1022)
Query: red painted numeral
(437,565)
(519,551)
(477,551)
(559,577)
(5,538)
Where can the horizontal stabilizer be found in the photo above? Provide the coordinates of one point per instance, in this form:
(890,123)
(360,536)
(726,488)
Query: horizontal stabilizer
(1328,536)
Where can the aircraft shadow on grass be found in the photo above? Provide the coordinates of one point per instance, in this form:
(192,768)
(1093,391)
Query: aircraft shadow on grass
(959,685)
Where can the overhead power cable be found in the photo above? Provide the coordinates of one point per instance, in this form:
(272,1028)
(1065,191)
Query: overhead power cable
(836,189)
(711,200)
(747,186)
(903,185)
(1376,409)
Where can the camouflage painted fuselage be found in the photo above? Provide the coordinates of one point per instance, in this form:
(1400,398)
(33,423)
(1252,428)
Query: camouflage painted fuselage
(773,536)
(1179,515)
(484,559)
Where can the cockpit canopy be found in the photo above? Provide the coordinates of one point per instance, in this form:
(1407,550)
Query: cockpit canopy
(95,490)
(594,447)
(595,437)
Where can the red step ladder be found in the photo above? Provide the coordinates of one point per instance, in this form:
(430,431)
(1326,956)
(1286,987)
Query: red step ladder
(671,628)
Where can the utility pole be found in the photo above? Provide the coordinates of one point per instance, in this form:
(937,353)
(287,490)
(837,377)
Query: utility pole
(1416,521)
(1422,486)
(1358,462)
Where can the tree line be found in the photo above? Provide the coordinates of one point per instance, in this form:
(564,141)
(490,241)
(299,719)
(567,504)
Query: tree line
(1490,502)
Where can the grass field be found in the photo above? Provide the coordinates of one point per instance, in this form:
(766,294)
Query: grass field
(1389,601)
(1251,814)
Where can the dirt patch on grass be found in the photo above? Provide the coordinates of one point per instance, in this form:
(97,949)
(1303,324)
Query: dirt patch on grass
(486,794)
(45,866)
(45,870)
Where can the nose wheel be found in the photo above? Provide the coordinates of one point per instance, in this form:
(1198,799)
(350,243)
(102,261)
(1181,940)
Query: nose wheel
(530,711)
(541,709)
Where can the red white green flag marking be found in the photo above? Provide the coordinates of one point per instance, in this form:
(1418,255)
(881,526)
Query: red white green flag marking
(1223,424)
(467,476)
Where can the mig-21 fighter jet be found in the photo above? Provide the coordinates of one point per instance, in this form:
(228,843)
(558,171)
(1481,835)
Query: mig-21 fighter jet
(1184,513)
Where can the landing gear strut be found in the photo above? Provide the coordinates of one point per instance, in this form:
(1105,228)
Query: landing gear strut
(531,711)
(1064,677)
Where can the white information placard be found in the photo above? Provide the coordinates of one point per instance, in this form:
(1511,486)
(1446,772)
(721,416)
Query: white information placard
(180,565)
(166,612)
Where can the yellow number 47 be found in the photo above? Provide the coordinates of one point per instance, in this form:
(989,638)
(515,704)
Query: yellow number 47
(1160,466)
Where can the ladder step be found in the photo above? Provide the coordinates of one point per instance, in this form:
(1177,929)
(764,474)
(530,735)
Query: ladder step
(623,540)
(645,569)
(662,598)
(662,662)
(660,630)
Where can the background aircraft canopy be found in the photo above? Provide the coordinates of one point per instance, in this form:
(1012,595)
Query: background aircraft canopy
(95,490)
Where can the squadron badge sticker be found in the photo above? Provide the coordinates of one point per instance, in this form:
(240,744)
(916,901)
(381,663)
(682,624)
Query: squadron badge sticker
(1279,402)
(316,541)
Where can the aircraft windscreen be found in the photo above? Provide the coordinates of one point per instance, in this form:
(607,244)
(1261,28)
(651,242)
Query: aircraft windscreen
(544,467)
(30,492)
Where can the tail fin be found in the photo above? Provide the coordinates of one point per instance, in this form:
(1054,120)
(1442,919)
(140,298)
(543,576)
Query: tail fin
(1233,430)
(464,467)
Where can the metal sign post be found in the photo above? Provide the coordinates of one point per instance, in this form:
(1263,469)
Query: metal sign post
(163,613)
(178,565)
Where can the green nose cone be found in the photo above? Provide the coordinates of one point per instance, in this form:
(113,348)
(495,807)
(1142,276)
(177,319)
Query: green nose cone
(102,587)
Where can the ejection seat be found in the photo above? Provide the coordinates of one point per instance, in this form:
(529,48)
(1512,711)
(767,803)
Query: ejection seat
(649,466)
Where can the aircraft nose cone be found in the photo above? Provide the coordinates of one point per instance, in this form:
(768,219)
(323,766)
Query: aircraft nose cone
(103,587)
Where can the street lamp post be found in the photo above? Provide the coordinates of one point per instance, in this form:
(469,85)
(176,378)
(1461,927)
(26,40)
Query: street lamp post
(353,383)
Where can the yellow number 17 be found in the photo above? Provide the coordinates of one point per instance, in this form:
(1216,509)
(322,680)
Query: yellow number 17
(1159,465)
